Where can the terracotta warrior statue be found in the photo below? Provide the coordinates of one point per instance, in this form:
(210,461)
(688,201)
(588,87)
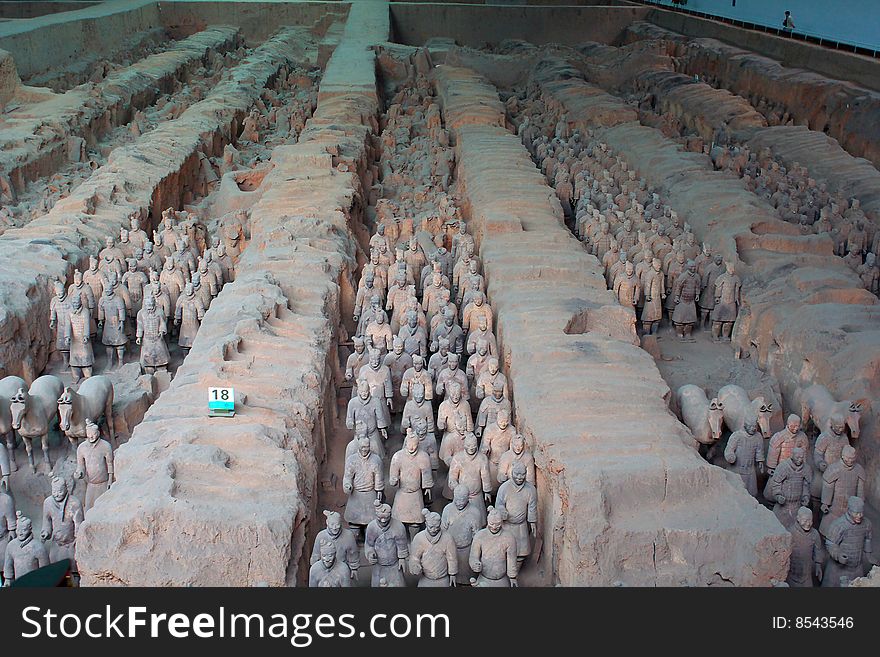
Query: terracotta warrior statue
(411,472)
(711,271)
(627,287)
(745,454)
(655,293)
(329,570)
(789,487)
(462,520)
(77,336)
(59,313)
(188,316)
(356,359)
(62,516)
(829,446)
(398,362)
(112,313)
(840,481)
(433,556)
(94,463)
(95,279)
(386,547)
(419,410)
(364,482)
(488,378)
(378,376)
(23,553)
(150,335)
(471,467)
(79,288)
(686,291)
(848,543)
(517,502)
(496,441)
(7,516)
(493,554)
(728,288)
(452,374)
(490,407)
(373,412)
(518,451)
(343,540)
(807,551)
(416,374)
(784,442)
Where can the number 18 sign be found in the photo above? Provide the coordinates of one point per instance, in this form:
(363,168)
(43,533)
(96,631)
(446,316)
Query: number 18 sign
(221,402)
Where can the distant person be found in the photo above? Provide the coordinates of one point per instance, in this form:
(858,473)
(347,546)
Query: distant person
(788,23)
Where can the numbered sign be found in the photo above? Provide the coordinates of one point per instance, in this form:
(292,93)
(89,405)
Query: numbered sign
(221,402)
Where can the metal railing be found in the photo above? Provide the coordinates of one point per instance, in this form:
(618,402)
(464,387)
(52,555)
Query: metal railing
(796,34)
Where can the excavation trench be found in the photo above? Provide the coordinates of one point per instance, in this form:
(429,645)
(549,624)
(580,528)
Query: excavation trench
(790,281)
(134,390)
(81,148)
(616,475)
(46,130)
(157,171)
(245,488)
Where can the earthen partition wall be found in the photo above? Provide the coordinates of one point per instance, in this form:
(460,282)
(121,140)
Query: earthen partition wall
(229,501)
(807,318)
(149,174)
(623,497)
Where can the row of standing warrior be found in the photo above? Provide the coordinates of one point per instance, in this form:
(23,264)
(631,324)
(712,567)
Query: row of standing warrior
(134,288)
(424,350)
(653,263)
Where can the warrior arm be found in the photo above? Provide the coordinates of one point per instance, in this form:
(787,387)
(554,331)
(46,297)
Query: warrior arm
(378,480)
(533,506)
(451,558)
(8,568)
(427,475)
(349,417)
(347,478)
(46,533)
(42,555)
(485,476)
(401,538)
(394,471)
(828,489)
(108,459)
(501,502)
(773,452)
(389,385)
(806,484)
(730,449)
(512,564)
(406,419)
(475,558)
(381,417)
(454,472)
(415,559)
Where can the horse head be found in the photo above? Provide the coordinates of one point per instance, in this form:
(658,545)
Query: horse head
(853,418)
(764,411)
(716,418)
(65,408)
(18,406)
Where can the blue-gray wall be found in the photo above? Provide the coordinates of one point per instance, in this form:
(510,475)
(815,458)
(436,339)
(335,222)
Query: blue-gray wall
(851,21)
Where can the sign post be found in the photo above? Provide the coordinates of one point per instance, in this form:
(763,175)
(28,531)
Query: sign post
(221,402)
